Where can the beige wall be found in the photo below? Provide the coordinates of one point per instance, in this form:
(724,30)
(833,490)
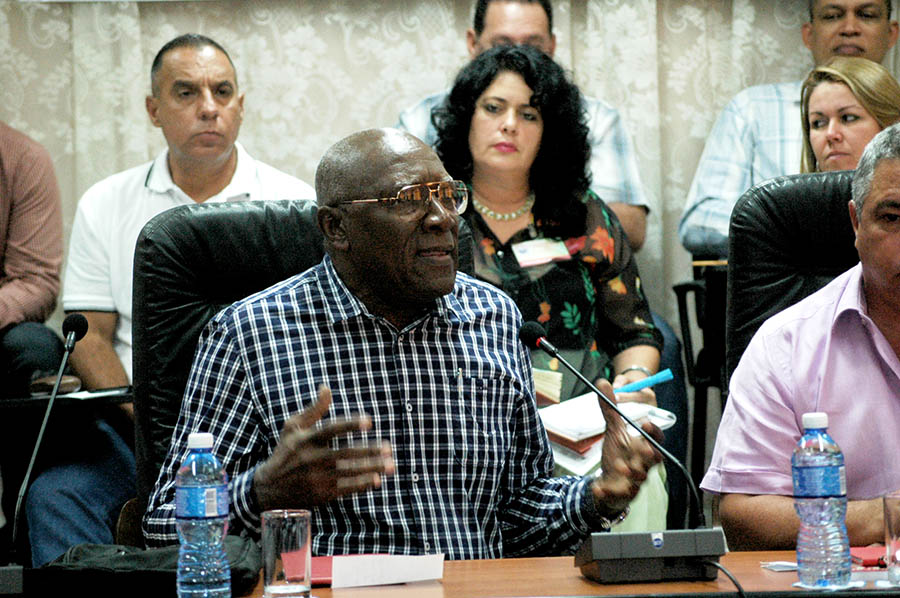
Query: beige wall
(74,76)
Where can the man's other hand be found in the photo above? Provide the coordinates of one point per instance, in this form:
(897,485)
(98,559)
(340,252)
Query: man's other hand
(304,471)
(625,462)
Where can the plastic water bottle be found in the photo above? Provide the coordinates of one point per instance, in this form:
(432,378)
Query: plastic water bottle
(201,516)
(820,498)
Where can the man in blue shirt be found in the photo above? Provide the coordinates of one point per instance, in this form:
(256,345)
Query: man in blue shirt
(758,135)
(387,392)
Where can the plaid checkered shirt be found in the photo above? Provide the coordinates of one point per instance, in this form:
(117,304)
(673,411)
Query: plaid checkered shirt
(757,137)
(451,392)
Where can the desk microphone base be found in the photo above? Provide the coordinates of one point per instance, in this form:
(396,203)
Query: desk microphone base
(651,556)
(11,579)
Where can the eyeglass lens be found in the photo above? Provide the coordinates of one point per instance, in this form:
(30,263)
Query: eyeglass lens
(450,194)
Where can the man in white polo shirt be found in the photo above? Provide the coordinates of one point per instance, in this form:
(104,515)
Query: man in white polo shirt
(196,103)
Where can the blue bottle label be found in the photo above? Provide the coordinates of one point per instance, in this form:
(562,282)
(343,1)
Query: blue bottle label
(819,481)
(200,502)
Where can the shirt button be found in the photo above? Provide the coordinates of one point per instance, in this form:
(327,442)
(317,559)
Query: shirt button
(409,407)
(415,477)
(426,546)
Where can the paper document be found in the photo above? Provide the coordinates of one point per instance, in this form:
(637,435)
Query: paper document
(380,569)
(581,417)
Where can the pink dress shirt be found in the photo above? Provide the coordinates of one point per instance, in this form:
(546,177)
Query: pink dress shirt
(822,354)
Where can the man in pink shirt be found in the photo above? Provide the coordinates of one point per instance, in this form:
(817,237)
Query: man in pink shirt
(836,351)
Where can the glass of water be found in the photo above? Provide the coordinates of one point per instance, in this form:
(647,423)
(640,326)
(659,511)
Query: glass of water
(286,553)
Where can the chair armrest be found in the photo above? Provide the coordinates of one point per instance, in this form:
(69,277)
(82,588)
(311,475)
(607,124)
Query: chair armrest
(682,289)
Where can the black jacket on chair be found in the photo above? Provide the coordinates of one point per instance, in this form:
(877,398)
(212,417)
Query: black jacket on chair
(189,263)
(789,237)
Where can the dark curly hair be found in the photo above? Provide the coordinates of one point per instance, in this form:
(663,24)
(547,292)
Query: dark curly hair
(559,176)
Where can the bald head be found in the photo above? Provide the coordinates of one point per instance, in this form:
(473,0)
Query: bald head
(368,164)
(395,262)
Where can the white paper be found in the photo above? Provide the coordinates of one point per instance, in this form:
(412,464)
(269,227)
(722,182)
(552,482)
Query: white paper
(93,394)
(581,417)
(576,463)
(778,565)
(381,569)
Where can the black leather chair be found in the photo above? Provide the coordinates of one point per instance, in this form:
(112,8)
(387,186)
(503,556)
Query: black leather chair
(189,263)
(789,237)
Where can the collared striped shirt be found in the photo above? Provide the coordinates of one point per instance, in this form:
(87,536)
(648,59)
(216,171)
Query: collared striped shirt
(451,392)
(757,137)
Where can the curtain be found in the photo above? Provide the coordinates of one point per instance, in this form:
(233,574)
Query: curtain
(74,77)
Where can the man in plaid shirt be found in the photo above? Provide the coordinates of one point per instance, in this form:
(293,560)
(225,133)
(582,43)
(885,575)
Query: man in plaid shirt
(386,392)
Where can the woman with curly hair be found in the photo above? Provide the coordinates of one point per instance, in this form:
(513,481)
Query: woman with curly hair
(514,129)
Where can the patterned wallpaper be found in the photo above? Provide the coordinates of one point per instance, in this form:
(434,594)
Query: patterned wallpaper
(74,77)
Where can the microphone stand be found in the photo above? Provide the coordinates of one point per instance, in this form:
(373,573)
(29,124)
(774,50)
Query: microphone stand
(642,556)
(11,575)
(549,348)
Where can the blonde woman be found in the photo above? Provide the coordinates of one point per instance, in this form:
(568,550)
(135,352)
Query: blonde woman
(844,104)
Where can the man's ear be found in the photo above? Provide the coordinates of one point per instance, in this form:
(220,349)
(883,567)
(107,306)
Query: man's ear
(152,105)
(895,30)
(854,220)
(471,42)
(806,32)
(331,223)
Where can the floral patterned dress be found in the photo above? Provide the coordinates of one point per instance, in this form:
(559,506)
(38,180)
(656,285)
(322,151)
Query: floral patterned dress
(592,305)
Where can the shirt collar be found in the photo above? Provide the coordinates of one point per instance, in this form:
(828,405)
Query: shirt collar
(341,304)
(240,188)
(852,298)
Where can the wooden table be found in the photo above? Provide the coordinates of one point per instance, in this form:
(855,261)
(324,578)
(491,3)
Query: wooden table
(558,576)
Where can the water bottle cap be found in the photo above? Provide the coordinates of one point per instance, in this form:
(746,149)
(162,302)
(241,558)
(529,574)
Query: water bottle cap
(814,420)
(201,440)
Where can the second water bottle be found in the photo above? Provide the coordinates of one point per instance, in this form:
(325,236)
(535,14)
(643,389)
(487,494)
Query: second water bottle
(820,499)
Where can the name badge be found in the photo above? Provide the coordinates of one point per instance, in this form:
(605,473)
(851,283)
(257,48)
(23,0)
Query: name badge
(540,251)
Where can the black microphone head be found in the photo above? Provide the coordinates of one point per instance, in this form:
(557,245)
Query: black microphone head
(76,324)
(531,333)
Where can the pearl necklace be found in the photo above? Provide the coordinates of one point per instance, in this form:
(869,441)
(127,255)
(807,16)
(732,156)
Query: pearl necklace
(486,211)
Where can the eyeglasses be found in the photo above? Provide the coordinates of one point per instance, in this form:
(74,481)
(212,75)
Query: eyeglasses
(412,200)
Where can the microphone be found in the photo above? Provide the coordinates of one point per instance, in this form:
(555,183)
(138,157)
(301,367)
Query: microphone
(532,335)
(74,328)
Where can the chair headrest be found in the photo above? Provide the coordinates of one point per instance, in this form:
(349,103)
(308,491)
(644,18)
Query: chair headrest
(789,237)
(189,263)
